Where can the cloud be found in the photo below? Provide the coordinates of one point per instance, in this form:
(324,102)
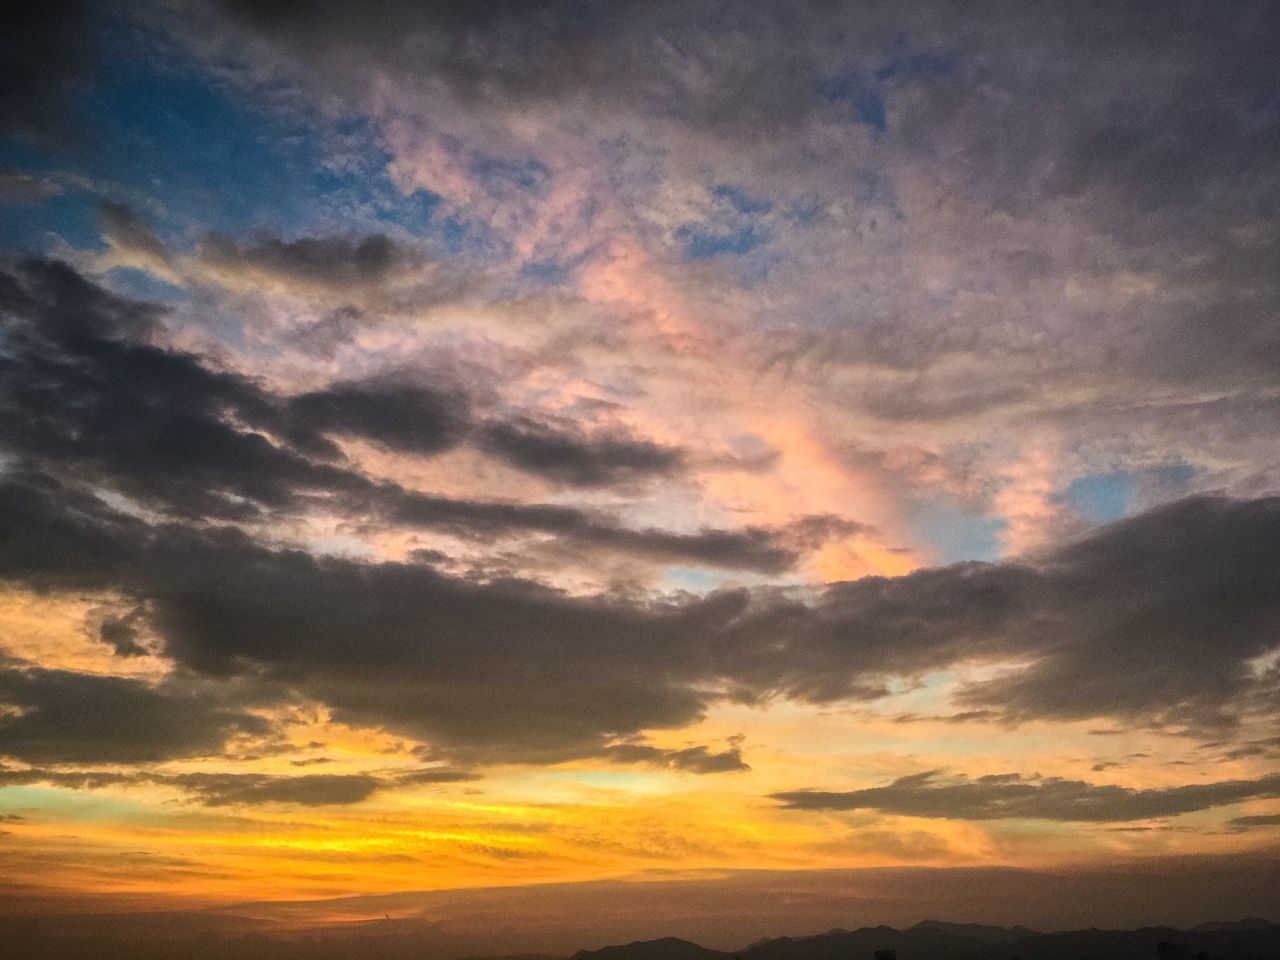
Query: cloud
(134,238)
(48,58)
(1260,821)
(121,633)
(699,759)
(515,670)
(86,394)
(592,461)
(1152,167)
(1010,796)
(60,716)
(229,789)
(81,388)
(1159,619)
(309,790)
(437,775)
(70,779)
(333,263)
(19,187)
(399,416)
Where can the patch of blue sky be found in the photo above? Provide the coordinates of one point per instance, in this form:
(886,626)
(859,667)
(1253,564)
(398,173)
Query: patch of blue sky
(693,579)
(742,201)
(864,90)
(1175,475)
(551,273)
(1101,498)
(956,533)
(862,94)
(217,156)
(414,212)
(804,212)
(927,693)
(211,155)
(79,805)
(43,225)
(703,243)
(547,273)
(141,285)
(737,224)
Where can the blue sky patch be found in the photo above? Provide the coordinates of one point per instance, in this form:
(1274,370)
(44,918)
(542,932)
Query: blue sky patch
(702,245)
(862,95)
(957,533)
(1102,498)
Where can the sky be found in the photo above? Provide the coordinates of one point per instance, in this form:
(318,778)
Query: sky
(524,446)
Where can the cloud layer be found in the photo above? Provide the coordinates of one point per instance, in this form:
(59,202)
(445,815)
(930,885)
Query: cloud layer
(513,441)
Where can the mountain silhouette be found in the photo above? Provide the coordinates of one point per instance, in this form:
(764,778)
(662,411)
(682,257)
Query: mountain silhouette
(1249,939)
(665,948)
(416,939)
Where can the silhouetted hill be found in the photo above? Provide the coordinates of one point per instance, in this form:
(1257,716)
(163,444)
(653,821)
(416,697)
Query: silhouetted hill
(938,940)
(1250,923)
(666,948)
(978,931)
(107,938)
(922,940)
(933,940)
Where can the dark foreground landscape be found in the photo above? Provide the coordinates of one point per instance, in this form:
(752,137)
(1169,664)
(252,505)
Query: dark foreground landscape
(1250,939)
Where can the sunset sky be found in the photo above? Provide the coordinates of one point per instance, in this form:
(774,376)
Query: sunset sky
(450,446)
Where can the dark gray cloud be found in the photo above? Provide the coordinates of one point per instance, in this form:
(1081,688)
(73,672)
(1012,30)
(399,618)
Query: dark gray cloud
(1160,619)
(569,458)
(19,187)
(123,228)
(121,633)
(71,779)
(60,716)
(239,789)
(511,669)
(399,416)
(1010,796)
(938,73)
(750,548)
(80,387)
(699,759)
(333,262)
(1259,821)
(48,57)
(84,393)
(308,790)
(1174,638)
(1146,133)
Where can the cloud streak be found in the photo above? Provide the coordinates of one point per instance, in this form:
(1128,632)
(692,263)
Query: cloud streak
(1012,797)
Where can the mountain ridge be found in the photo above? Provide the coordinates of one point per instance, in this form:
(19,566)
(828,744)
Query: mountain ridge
(1247,939)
